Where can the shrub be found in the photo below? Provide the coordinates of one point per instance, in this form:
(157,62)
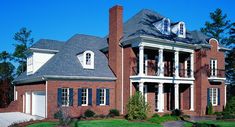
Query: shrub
(167,117)
(230,107)
(137,108)
(58,114)
(89,113)
(155,115)
(114,112)
(209,109)
(176,112)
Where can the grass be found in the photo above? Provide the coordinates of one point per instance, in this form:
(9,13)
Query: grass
(219,123)
(100,123)
(164,118)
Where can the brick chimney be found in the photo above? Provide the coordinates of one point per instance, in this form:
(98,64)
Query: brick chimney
(115,51)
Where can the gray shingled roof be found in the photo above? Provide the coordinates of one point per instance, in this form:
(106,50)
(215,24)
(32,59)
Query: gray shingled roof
(66,63)
(48,44)
(141,24)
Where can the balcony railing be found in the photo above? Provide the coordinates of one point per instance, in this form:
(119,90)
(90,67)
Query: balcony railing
(216,73)
(168,72)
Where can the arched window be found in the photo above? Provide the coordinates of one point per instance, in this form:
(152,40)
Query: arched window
(88,58)
(181,29)
(165,25)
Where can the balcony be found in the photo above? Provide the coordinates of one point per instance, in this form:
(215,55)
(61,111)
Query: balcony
(216,75)
(153,70)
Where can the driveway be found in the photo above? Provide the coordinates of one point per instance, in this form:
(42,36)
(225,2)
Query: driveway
(9,118)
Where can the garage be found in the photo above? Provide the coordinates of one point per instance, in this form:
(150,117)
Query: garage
(38,103)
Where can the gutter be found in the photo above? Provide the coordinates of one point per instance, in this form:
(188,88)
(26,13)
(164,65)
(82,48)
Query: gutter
(44,50)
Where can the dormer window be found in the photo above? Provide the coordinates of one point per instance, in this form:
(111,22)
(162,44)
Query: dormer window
(166,26)
(87,59)
(181,30)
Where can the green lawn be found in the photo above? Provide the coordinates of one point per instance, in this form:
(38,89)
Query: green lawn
(100,123)
(218,123)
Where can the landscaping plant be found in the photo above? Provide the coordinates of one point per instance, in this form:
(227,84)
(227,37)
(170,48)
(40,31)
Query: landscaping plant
(137,108)
(209,109)
(89,113)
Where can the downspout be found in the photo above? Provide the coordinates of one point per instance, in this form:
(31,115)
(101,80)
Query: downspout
(46,101)
(122,80)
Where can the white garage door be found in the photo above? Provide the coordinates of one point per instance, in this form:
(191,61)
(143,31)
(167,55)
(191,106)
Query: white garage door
(38,103)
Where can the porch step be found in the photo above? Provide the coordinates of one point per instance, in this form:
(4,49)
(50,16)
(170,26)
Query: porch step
(188,112)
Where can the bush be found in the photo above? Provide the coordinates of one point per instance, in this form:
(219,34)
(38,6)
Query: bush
(209,109)
(155,115)
(113,112)
(89,113)
(58,114)
(137,108)
(176,112)
(230,107)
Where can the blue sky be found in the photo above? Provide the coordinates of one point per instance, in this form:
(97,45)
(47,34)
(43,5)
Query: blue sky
(61,19)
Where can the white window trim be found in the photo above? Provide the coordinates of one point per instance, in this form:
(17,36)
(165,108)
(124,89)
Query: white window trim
(184,30)
(91,66)
(169,29)
(213,67)
(104,98)
(212,96)
(67,97)
(16,95)
(30,64)
(86,97)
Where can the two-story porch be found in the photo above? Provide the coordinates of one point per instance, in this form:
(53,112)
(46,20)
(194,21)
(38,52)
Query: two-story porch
(164,73)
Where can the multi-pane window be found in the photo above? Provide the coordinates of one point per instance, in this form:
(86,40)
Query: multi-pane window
(84,97)
(65,97)
(88,59)
(30,65)
(214,96)
(166,24)
(181,29)
(102,96)
(213,67)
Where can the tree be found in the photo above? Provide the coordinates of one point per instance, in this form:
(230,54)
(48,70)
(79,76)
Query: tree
(218,27)
(6,76)
(24,40)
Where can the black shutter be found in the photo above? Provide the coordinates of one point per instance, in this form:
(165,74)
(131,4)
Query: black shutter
(59,97)
(70,96)
(107,96)
(218,96)
(79,97)
(89,96)
(208,96)
(97,96)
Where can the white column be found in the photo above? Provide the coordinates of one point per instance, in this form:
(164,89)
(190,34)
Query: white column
(192,64)
(141,60)
(176,96)
(192,97)
(160,104)
(160,63)
(141,87)
(176,63)
(225,95)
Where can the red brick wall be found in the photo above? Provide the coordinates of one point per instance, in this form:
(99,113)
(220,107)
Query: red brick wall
(115,52)
(76,110)
(203,57)
(28,88)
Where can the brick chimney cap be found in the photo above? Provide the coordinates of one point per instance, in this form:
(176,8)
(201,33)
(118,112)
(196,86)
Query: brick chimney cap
(116,7)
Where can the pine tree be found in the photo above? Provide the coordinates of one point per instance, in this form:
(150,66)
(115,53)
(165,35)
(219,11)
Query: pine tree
(23,37)
(218,27)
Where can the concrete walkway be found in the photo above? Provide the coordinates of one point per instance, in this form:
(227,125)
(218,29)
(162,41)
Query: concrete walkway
(9,118)
(180,123)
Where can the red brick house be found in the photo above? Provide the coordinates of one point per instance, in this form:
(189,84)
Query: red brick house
(173,67)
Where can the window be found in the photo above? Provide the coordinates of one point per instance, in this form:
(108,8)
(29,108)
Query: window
(84,97)
(65,97)
(102,96)
(214,96)
(181,29)
(88,59)
(30,65)
(213,67)
(165,26)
